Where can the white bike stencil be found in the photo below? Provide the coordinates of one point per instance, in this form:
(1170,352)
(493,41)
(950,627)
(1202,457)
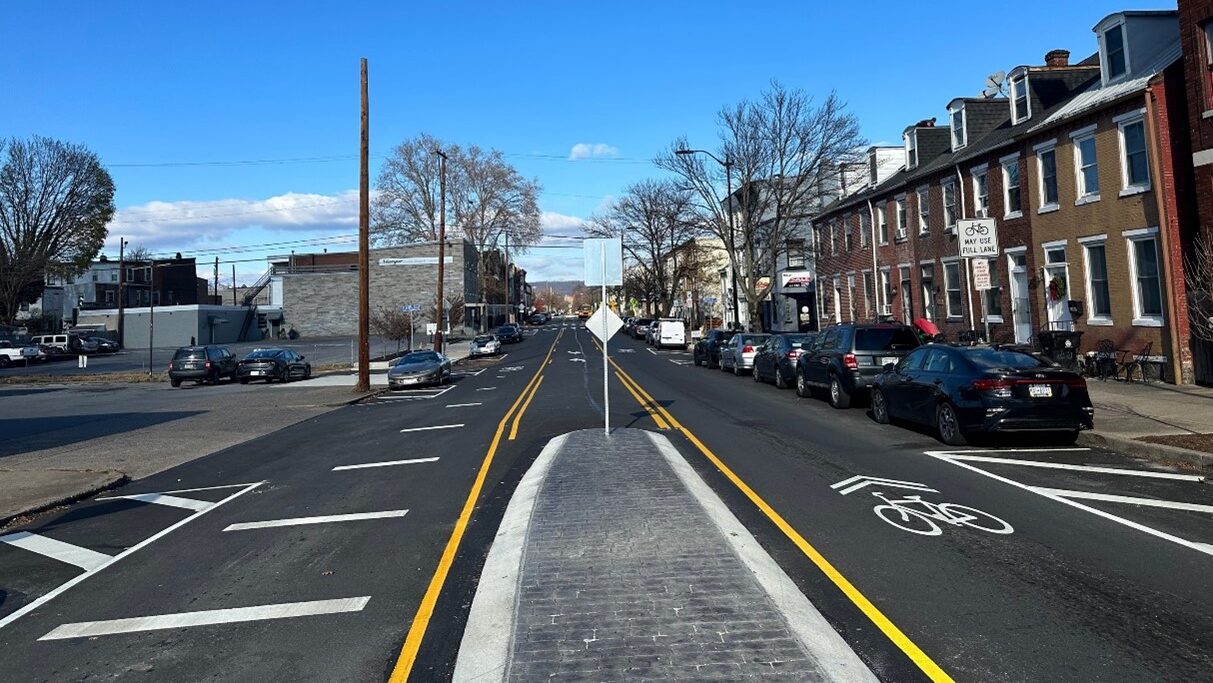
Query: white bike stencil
(918,516)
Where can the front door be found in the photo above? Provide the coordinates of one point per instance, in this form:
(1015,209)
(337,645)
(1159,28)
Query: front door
(1056,279)
(1021,309)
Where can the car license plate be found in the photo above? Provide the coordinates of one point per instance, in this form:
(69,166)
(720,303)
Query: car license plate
(257,372)
(1040,391)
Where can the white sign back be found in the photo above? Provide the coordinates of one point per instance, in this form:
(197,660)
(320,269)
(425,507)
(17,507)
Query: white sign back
(978,237)
(604,323)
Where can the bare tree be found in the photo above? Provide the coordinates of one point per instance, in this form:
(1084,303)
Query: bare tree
(138,253)
(454,312)
(1198,272)
(785,151)
(407,193)
(392,323)
(654,219)
(55,201)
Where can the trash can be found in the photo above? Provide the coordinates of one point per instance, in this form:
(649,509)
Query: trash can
(1061,346)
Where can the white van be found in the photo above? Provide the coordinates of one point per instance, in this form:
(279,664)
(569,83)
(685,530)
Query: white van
(671,333)
(56,343)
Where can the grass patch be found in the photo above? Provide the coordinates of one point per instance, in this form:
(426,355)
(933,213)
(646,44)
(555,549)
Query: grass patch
(91,378)
(1192,442)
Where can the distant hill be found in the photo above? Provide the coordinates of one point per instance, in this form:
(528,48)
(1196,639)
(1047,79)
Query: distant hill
(562,287)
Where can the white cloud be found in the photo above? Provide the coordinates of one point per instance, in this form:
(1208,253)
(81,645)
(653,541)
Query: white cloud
(590,150)
(161,225)
(560,224)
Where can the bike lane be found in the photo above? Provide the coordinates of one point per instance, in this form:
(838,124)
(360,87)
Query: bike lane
(1062,594)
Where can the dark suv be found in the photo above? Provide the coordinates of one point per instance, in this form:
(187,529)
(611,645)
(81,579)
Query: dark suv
(201,364)
(707,350)
(846,358)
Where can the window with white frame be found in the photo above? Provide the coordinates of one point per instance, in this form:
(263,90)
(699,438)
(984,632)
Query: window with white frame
(993,295)
(886,290)
(927,279)
(901,216)
(911,149)
(1086,165)
(1144,269)
(833,237)
(907,303)
(981,192)
(113,275)
(795,249)
(865,224)
(851,295)
(1095,262)
(837,299)
(868,293)
(1021,107)
(846,233)
(1046,170)
(882,224)
(1135,167)
(957,117)
(1011,199)
(1114,57)
(924,210)
(109,296)
(954,302)
(949,204)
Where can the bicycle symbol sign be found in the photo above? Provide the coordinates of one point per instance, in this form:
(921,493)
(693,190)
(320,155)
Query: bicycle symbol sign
(978,238)
(916,515)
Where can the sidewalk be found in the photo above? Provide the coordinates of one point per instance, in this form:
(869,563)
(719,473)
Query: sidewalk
(1125,412)
(615,562)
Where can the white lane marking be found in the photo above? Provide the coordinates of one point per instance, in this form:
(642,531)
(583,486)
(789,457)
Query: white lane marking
(321,519)
(162,499)
(626,351)
(1130,500)
(486,389)
(133,549)
(1199,547)
(206,617)
(1010,450)
(385,463)
(200,488)
(430,428)
(679,362)
(573,353)
(1080,468)
(651,351)
(853,484)
(462,405)
(57,550)
(576,360)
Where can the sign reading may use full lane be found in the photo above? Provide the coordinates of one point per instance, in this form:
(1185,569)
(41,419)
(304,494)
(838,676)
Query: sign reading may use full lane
(978,238)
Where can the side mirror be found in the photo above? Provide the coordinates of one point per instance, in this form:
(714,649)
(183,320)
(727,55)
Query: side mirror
(890,367)
(302,357)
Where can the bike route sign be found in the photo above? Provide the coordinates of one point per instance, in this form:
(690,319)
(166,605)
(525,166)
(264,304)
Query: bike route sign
(978,238)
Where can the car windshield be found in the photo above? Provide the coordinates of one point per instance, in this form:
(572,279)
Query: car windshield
(508,329)
(483,339)
(192,354)
(263,353)
(752,339)
(419,357)
(995,359)
(885,339)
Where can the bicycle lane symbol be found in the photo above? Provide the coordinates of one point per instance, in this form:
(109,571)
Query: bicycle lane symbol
(916,515)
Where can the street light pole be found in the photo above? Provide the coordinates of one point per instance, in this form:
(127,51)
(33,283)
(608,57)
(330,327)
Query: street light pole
(728,175)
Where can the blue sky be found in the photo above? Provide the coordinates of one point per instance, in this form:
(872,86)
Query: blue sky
(171,95)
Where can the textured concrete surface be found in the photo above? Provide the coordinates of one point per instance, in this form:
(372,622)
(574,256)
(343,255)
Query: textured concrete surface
(23,491)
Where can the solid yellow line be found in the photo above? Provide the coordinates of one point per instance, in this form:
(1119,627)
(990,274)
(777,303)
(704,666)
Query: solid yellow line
(425,610)
(525,405)
(661,423)
(899,638)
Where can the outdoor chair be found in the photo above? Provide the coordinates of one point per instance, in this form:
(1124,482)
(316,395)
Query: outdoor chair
(1128,360)
(1105,359)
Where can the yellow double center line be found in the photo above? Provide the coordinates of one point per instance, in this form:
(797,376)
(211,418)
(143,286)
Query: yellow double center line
(425,611)
(895,634)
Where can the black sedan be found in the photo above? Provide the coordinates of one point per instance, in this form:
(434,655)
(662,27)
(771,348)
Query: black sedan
(419,368)
(706,351)
(509,334)
(776,360)
(273,364)
(967,390)
(103,345)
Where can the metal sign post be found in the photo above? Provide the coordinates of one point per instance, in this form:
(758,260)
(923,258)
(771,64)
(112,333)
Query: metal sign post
(981,282)
(978,240)
(604,266)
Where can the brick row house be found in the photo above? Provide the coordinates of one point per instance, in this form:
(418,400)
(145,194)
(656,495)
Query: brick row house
(1067,164)
(1196,35)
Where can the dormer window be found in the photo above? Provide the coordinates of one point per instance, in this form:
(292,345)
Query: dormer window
(1115,57)
(911,149)
(959,139)
(1021,107)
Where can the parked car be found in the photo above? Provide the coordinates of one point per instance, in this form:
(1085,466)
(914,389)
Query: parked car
(273,364)
(965,390)
(509,334)
(707,350)
(776,360)
(846,358)
(671,333)
(201,364)
(419,368)
(650,332)
(484,345)
(738,355)
(639,328)
(12,354)
(537,319)
(53,343)
(103,345)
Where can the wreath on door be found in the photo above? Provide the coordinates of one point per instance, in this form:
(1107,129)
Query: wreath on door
(1057,288)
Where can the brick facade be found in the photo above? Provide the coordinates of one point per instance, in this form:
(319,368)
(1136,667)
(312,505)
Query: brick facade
(1197,91)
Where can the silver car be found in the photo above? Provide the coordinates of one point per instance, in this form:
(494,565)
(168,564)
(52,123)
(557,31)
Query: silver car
(419,368)
(738,355)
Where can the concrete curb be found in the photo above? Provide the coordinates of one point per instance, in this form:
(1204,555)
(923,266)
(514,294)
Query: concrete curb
(1151,451)
(115,480)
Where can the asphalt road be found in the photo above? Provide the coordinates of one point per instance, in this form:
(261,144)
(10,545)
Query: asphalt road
(1067,580)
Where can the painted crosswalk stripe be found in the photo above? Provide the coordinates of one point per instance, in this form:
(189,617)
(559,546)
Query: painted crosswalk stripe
(57,550)
(1129,500)
(163,499)
(160,622)
(1095,469)
(386,463)
(430,428)
(322,519)
(462,405)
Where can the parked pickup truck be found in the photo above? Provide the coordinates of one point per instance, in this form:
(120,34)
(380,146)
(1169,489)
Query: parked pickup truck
(11,354)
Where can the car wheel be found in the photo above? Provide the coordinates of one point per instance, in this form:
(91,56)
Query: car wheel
(948,425)
(307,372)
(695,359)
(780,382)
(244,380)
(5,362)
(736,370)
(839,398)
(880,408)
(754,373)
(175,382)
(802,385)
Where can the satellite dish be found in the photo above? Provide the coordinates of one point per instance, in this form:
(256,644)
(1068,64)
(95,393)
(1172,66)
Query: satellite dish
(994,84)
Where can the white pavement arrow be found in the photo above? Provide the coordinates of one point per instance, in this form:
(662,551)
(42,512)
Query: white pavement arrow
(576,360)
(575,353)
(859,481)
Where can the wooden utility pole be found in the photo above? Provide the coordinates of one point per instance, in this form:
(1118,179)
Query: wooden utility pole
(121,281)
(364,229)
(233,285)
(217,301)
(438,306)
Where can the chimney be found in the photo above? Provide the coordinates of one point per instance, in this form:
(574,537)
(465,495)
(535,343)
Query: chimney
(1057,58)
